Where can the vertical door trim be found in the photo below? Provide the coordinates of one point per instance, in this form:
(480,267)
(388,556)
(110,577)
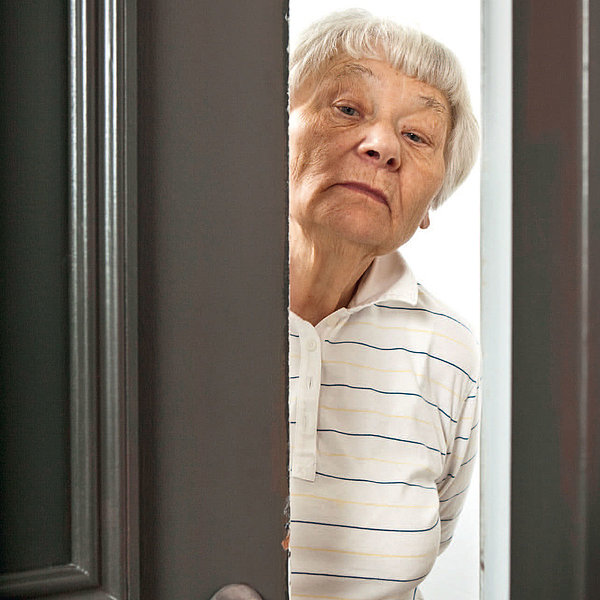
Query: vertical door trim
(117,298)
(496,298)
(556,407)
(83,292)
(103,312)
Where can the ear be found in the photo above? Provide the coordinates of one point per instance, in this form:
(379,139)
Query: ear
(425,222)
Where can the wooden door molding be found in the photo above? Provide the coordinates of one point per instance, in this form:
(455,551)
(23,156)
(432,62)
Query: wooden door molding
(102,312)
(555,519)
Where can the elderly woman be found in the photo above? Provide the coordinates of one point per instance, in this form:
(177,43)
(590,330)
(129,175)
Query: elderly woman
(383,377)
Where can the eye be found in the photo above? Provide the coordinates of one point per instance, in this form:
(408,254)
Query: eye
(413,137)
(348,110)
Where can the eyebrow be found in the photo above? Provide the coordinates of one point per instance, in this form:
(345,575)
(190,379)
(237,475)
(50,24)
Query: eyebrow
(431,102)
(353,69)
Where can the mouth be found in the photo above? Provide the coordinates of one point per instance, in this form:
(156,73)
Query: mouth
(367,190)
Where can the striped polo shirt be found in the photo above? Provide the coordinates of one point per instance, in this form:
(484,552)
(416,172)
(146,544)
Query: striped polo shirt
(383,435)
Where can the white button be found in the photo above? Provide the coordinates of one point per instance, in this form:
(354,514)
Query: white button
(312,345)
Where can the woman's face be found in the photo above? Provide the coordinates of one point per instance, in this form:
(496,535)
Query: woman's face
(366,154)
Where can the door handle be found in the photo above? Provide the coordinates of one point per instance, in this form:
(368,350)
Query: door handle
(237,591)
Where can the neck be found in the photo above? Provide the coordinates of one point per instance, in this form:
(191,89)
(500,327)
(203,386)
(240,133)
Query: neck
(324,274)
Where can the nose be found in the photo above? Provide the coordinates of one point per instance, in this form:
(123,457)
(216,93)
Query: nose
(381,146)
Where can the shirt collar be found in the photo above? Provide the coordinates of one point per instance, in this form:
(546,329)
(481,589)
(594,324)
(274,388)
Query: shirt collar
(388,278)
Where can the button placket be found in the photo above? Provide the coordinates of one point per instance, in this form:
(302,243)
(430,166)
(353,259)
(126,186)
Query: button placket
(305,442)
(293,360)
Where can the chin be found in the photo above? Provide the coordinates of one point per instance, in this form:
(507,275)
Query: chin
(363,234)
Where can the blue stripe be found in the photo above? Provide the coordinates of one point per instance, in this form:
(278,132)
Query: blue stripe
(459,493)
(404,350)
(356,387)
(294,335)
(366,528)
(461,437)
(425,487)
(471,397)
(468,461)
(384,437)
(357,577)
(292,422)
(294,376)
(454,476)
(476,424)
(423,310)
(446,541)
(414,594)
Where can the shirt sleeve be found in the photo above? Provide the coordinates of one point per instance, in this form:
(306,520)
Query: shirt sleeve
(460,463)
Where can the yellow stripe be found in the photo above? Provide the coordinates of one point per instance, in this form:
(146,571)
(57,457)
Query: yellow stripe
(343,362)
(363,503)
(362,553)
(322,597)
(369,368)
(376,412)
(392,462)
(428,331)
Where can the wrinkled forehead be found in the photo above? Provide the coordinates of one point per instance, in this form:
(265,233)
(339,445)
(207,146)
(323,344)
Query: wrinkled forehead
(327,68)
(344,70)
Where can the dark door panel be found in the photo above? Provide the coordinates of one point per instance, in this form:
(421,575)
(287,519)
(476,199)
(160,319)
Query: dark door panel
(212,257)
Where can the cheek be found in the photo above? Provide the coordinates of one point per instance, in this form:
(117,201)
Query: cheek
(438,177)
(433,176)
(308,155)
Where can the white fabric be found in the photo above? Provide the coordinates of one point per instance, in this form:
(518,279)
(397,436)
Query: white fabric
(383,430)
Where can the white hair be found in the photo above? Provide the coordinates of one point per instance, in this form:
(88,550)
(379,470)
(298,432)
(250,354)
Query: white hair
(359,34)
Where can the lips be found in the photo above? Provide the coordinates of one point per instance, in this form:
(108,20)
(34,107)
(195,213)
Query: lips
(363,188)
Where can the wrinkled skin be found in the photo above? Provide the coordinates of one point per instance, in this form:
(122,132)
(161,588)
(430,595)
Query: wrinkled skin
(366,159)
(365,122)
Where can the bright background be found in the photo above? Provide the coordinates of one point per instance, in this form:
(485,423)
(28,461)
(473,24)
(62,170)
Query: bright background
(445,257)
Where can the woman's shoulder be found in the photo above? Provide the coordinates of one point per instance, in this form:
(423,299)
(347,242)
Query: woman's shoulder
(435,328)
(448,324)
